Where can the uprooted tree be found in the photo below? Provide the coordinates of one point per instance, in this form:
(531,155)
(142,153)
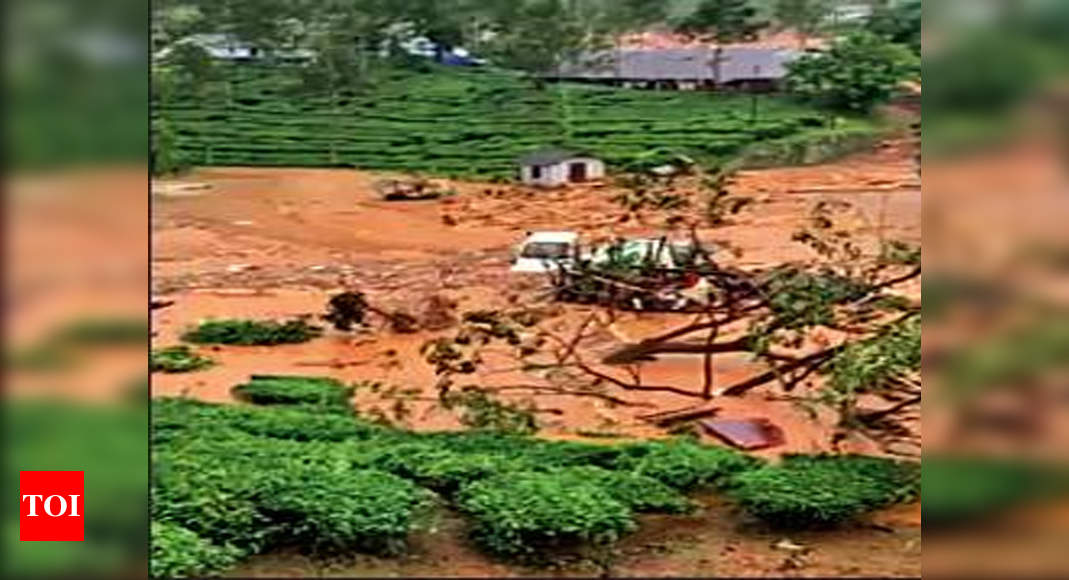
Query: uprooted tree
(837,323)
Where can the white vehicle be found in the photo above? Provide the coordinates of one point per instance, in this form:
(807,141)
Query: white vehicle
(541,252)
(663,253)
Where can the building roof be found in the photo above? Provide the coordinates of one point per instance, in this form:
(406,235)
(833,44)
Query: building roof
(549,156)
(682,64)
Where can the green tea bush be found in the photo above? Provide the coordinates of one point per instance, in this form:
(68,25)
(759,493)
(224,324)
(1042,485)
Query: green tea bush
(177,359)
(639,492)
(181,553)
(685,465)
(295,390)
(818,491)
(173,415)
(452,122)
(334,511)
(443,470)
(521,514)
(252,332)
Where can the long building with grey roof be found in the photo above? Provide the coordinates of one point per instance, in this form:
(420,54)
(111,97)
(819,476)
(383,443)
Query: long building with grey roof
(682,68)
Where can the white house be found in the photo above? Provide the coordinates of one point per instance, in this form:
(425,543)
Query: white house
(553,167)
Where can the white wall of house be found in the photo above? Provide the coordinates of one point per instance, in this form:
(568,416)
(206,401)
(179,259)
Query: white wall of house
(559,173)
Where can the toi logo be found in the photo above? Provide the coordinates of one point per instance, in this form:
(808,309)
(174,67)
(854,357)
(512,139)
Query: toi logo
(50,506)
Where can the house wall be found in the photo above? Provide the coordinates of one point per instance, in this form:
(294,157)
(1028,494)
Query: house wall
(557,174)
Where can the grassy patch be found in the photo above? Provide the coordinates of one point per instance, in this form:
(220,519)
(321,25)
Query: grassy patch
(181,553)
(522,514)
(817,491)
(177,359)
(252,332)
(295,390)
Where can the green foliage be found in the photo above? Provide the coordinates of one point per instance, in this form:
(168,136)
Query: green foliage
(867,365)
(817,491)
(723,20)
(897,252)
(639,492)
(445,470)
(260,498)
(521,514)
(177,359)
(295,390)
(800,299)
(252,332)
(172,417)
(180,553)
(482,412)
(805,16)
(541,36)
(165,158)
(855,75)
(463,123)
(685,465)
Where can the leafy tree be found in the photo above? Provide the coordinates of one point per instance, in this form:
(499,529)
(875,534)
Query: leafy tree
(542,36)
(804,16)
(899,22)
(722,22)
(855,75)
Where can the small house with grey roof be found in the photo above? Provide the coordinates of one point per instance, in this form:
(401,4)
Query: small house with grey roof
(553,167)
(741,68)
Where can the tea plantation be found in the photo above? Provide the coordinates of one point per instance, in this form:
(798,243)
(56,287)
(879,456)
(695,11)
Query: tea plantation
(229,481)
(462,123)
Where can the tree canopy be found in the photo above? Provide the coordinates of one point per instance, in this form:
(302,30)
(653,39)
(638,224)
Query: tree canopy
(855,75)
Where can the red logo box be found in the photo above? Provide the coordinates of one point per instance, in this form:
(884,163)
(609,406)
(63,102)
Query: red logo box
(51,506)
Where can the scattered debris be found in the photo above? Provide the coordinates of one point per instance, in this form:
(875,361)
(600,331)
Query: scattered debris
(172,189)
(789,546)
(663,418)
(412,189)
(439,313)
(239,268)
(747,434)
(159,304)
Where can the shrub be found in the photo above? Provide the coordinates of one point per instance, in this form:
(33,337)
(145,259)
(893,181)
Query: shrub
(685,465)
(520,514)
(255,494)
(172,416)
(333,510)
(295,390)
(179,553)
(818,491)
(252,332)
(639,492)
(177,359)
(443,470)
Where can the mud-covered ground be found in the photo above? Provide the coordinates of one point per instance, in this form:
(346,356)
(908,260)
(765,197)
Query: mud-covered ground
(276,243)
